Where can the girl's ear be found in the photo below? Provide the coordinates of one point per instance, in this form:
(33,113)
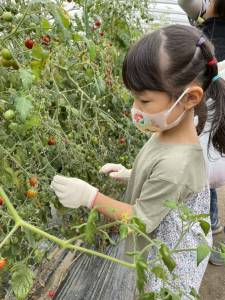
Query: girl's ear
(193,97)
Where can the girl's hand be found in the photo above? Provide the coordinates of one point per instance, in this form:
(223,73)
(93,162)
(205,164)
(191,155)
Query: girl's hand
(116,171)
(73,192)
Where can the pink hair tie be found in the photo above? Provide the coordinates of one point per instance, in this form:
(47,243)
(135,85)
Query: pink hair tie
(212,62)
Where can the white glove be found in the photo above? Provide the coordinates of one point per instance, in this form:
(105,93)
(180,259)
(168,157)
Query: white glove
(116,171)
(73,192)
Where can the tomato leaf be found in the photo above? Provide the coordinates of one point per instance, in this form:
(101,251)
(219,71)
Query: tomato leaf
(203,251)
(139,224)
(170,204)
(23,106)
(141,277)
(90,228)
(123,231)
(92,51)
(205,226)
(159,272)
(22,280)
(27,77)
(45,24)
(39,52)
(148,296)
(167,257)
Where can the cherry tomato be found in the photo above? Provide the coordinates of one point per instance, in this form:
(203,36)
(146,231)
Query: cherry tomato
(3,262)
(31,194)
(51,141)
(33,181)
(29,43)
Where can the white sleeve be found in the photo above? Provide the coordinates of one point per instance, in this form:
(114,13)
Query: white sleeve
(221,69)
(194,8)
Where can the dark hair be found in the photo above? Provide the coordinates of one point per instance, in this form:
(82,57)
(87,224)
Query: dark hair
(219,8)
(168,60)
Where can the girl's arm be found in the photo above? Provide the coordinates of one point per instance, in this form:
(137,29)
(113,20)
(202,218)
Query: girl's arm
(111,208)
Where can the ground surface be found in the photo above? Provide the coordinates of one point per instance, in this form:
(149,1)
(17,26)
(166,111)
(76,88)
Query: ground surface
(213,286)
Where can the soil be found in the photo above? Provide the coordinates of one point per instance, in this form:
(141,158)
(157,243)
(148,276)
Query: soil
(213,286)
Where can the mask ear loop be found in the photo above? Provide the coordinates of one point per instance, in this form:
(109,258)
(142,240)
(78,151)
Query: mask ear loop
(178,100)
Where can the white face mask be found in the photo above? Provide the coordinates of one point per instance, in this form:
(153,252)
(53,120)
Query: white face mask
(156,122)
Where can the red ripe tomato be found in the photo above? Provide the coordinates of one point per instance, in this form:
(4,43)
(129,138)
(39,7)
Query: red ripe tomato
(29,43)
(45,39)
(3,262)
(122,141)
(33,181)
(1,201)
(51,141)
(98,23)
(51,294)
(101,33)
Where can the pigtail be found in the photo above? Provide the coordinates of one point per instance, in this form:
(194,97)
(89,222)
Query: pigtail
(215,94)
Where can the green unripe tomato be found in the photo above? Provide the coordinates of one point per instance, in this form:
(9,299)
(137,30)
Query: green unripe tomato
(9,114)
(13,126)
(7,16)
(6,54)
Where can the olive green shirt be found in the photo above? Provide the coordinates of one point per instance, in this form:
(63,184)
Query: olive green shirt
(162,172)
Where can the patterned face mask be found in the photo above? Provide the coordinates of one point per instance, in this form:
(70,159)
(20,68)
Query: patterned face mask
(156,122)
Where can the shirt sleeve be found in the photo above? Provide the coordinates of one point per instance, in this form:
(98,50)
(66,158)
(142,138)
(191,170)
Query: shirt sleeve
(194,9)
(149,207)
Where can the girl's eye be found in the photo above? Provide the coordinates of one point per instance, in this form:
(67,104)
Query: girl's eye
(144,102)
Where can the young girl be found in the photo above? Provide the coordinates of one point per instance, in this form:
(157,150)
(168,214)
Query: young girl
(170,72)
(212,23)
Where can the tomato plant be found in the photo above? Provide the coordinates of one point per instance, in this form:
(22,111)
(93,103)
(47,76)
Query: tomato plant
(61,106)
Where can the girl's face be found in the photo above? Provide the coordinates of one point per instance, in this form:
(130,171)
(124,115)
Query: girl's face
(152,102)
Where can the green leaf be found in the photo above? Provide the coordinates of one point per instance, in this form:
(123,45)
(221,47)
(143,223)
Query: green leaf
(22,280)
(45,24)
(170,204)
(34,121)
(222,247)
(27,77)
(36,67)
(39,52)
(30,237)
(141,277)
(123,231)
(90,228)
(92,51)
(159,272)
(167,257)
(203,251)
(205,226)
(140,224)
(194,293)
(77,37)
(63,18)
(23,106)
(148,296)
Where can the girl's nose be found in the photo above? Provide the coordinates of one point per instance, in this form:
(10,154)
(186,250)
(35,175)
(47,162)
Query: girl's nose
(135,104)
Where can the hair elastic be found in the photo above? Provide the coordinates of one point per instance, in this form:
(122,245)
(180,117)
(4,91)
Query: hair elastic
(218,76)
(215,78)
(212,62)
(200,42)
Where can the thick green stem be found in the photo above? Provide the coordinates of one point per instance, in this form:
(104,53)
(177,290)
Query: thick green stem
(10,207)
(64,244)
